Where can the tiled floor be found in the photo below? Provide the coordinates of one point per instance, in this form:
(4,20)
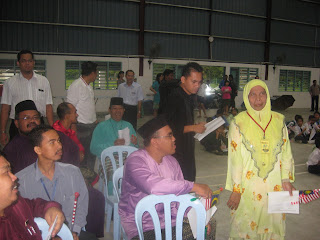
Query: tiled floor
(211,169)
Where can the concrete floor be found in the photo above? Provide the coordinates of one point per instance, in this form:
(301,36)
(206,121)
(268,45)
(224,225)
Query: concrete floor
(212,169)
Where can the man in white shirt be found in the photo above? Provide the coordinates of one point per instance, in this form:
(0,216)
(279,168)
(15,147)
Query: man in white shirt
(27,85)
(80,94)
(132,95)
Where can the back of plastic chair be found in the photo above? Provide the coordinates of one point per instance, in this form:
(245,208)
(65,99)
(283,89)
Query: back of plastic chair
(109,152)
(148,204)
(64,233)
(117,180)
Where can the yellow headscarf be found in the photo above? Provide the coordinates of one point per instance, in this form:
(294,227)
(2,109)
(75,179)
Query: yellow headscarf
(252,134)
(263,116)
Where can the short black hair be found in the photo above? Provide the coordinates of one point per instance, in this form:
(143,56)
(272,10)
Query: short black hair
(167,72)
(311,116)
(147,140)
(63,109)
(296,117)
(35,135)
(299,118)
(158,77)
(129,71)
(2,154)
(24,51)
(88,67)
(121,72)
(191,67)
(316,112)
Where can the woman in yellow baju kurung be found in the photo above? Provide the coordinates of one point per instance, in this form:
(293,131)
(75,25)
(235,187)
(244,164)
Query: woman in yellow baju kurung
(259,161)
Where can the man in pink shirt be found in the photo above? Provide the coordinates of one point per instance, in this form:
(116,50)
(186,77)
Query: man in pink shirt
(153,170)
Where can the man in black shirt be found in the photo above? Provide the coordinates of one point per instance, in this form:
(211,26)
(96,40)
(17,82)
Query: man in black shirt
(166,87)
(179,114)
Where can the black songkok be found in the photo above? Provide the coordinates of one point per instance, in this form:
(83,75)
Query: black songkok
(150,127)
(116,101)
(24,106)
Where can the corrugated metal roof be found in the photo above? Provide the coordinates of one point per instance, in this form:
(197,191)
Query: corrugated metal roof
(296,11)
(237,51)
(238,26)
(177,46)
(180,20)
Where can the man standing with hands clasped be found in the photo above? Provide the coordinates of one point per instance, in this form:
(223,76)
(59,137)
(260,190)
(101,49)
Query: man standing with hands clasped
(27,85)
(81,95)
(314,92)
(132,95)
(179,114)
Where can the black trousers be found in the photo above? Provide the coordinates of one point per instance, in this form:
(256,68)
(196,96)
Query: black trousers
(315,169)
(84,133)
(130,114)
(314,99)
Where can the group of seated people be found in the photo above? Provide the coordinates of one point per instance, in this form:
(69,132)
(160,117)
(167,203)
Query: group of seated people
(307,132)
(46,162)
(304,132)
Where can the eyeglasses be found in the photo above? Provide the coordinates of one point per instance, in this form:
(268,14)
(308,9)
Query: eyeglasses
(24,61)
(28,118)
(170,135)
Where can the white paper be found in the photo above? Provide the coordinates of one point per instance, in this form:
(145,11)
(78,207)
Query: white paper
(125,134)
(210,127)
(282,202)
(51,229)
(192,216)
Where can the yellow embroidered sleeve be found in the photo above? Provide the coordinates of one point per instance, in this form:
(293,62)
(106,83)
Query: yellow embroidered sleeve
(287,162)
(234,173)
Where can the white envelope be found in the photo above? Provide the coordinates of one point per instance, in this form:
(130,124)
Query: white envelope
(282,202)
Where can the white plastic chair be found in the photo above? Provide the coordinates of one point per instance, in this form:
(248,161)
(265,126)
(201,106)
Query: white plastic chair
(112,200)
(117,181)
(64,232)
(148,204)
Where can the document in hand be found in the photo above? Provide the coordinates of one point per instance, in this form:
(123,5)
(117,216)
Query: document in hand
(125,134)
(210,127)
(282,202)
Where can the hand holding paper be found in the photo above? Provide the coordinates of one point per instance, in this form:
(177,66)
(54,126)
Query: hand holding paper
(282,202)
(125,134)
(210,127)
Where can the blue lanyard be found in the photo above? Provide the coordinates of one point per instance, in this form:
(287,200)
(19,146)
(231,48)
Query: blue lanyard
(53,191)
